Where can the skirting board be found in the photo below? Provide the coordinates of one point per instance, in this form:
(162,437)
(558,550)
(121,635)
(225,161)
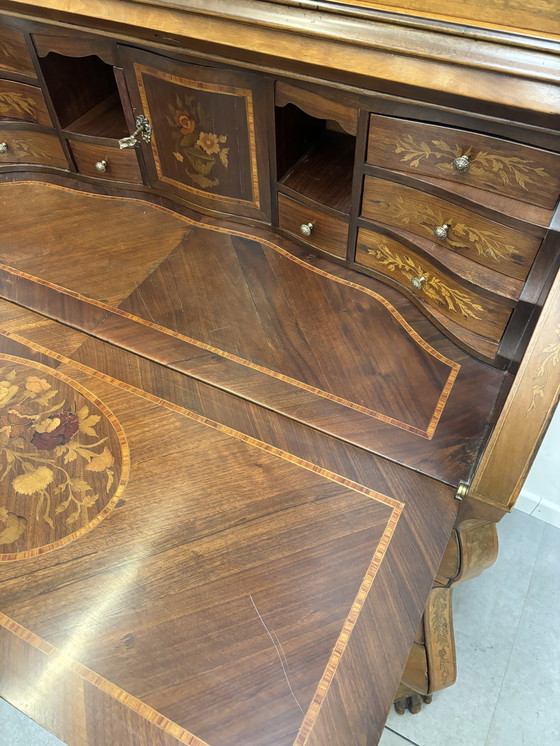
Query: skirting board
(539,507)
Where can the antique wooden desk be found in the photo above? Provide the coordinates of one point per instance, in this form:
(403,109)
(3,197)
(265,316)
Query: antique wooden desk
(279,337)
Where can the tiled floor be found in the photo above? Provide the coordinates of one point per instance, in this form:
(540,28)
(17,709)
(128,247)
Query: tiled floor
(508,651)
(508,648)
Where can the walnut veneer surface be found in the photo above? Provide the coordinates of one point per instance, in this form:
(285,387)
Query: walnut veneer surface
(248,359)
(204,565)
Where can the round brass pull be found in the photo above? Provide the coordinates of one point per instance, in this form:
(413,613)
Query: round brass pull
(306,228)
(101,166)
(442,231)
(417,282)
(461,164)
(3,148)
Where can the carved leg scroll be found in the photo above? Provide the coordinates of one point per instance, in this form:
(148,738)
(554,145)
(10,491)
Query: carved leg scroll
(431,665)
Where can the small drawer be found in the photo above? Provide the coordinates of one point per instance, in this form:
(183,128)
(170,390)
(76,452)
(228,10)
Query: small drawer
(317,228)
(518,171)
(22,101)
(464,231)
(14,55)
(432,286)
(106,161)
(21,144)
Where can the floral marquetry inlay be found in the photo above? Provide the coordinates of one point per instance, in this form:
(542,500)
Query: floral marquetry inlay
(201,151)
(508,169)
(460,236)
(61,459)
(427,283)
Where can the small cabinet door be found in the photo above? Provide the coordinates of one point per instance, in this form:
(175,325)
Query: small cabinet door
(208,140)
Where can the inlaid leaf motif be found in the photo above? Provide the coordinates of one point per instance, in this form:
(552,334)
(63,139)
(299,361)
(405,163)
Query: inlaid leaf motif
(551,360)
(433,287)
(23,148)
(460,236)
(12,101)
(508,169)
(7,50)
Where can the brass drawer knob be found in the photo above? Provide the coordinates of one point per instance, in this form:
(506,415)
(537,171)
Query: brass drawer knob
(101,166)
(417,282)
(461,164)
(442,231)
(305,229)
(3,148)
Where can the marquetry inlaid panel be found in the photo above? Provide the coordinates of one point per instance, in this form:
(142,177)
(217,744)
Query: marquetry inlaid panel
(433,286)
(508,168)
(229,570)
(475,237)
(63,459)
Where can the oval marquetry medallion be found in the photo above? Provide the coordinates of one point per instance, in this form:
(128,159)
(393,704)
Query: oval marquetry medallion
(63,459)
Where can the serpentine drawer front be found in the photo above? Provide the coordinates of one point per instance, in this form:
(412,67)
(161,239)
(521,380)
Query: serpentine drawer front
(489,163)
(456,228)
(22,101)
(14,55)
(26,144)
(433,286)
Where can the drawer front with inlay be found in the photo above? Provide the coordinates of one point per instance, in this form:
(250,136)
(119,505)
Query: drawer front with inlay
(14,55)
(461,230)
(319,229)
(21,145)
(22,101)
(106,161)
(518,171)
(460,302)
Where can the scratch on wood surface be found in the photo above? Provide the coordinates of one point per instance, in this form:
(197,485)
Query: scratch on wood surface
(279,650)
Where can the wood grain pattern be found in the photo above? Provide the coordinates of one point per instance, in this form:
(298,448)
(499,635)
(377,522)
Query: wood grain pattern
(532,400)
(14,55)
(121,165)
(329,233)
(364,53)
(278,439)
(108,659)
(324,173)
(80,45)
(268,464)
(453,427)
(316,106)
(28,145)
(508,168)
(22,101)
(243,275)
(535,15)
(481,240)
(111,274)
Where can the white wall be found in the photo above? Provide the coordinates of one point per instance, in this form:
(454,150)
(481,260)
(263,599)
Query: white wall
(540,495)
